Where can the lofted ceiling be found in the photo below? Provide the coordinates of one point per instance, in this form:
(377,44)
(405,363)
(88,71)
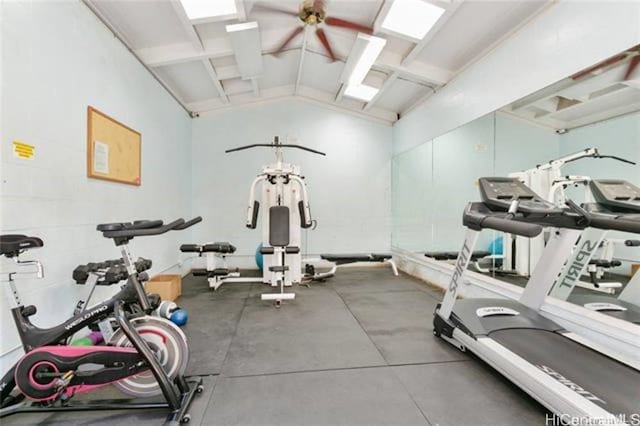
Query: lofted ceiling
(603,91)
(196,60)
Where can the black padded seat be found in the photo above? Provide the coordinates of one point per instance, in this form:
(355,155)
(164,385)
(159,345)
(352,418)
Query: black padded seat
(13,244)
(219,272)
(341,259)
(605,263)
(191,248)
(284,268)
(224,248)
(453,255)
(200,272)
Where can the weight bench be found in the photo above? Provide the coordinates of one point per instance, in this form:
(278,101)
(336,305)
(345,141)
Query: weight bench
(216,270)
(453,255)
(344,259)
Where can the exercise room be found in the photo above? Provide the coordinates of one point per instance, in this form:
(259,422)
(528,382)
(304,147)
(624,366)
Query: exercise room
(320,212)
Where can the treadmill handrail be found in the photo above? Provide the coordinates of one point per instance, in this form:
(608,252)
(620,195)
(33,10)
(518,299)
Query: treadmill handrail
(504,222)
(604,221)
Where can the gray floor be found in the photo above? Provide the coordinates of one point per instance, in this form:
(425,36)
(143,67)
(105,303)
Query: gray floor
(355,350)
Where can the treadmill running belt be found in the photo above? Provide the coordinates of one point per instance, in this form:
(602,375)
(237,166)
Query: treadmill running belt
(610,384)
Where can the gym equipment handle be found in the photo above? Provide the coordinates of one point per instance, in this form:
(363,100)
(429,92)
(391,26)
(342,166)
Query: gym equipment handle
(614,224)
(188,224)
(523,229)
(269,145)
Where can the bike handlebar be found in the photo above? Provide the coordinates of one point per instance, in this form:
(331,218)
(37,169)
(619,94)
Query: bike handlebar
(132,230)
(189,223)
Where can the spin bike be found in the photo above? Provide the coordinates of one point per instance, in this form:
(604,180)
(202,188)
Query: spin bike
(148,357)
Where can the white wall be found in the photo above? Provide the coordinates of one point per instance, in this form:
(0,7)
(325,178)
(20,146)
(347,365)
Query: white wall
(567,37)
(58,58)
(348,189)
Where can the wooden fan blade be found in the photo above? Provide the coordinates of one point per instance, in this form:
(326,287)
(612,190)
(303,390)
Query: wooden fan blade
(291,36)
(325,42)
(633,64)
(261,7)
(337,22)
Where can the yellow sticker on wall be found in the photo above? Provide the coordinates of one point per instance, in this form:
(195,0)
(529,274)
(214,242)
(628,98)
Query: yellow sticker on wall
(23,150)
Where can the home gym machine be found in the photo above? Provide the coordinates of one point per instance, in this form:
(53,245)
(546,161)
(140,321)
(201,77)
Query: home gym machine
(559,369)
(520,257)
(285,210)
(147,355)
(618,199)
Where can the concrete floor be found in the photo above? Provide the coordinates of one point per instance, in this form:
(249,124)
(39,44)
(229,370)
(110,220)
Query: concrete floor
(355,350)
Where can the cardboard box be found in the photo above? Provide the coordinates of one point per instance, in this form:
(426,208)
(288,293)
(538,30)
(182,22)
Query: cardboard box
(635,267)
(169,287)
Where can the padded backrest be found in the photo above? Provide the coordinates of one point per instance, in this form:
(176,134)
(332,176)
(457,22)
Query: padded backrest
(279,226)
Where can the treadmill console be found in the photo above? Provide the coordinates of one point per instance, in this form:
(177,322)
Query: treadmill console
(499,192)
(617,196)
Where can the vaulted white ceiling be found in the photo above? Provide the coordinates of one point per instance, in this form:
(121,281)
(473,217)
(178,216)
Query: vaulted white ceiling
(196,61)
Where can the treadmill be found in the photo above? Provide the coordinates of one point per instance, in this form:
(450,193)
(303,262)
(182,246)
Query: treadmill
(535,353)
(618,199)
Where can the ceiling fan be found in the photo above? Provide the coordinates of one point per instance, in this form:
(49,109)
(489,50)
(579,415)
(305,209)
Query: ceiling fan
(312,13)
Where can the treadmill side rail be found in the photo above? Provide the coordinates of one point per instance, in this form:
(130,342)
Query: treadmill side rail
(557,397)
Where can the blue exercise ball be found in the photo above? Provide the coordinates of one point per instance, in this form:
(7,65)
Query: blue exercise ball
(497,246)
(259,256)
(179,317)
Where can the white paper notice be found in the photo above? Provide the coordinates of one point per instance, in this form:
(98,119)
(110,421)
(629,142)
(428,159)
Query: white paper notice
(100,157)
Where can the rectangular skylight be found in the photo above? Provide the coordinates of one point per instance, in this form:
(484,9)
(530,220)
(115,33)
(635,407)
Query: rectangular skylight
(412,18)
(201,9)
(360,91)
(364,53)
(247,48)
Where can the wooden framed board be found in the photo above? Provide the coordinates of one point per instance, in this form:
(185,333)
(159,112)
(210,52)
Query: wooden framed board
(114,151)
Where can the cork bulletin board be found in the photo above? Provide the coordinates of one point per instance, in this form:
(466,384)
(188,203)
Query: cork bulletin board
(113,150)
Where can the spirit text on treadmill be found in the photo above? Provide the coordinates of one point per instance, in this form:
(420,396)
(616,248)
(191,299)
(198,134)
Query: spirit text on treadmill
(571,385)
(586,249)
(460,267)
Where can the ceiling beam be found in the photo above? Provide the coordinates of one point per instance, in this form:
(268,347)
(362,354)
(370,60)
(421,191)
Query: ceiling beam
(215,80)
(256,87)
(319,97)
(449,11)
(385,86)
(305,35)
(387,62)
(196,44)
(188,28)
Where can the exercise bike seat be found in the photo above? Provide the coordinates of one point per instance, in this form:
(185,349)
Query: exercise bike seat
(13,244)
